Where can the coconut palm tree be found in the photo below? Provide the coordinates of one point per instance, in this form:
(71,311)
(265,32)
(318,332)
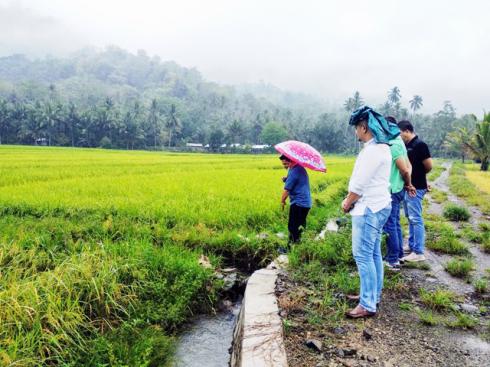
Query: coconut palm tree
(416,103)
(479,144)
(353,103)
(172,123)
(394,95)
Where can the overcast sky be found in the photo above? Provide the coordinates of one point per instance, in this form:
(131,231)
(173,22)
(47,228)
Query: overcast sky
(331,48)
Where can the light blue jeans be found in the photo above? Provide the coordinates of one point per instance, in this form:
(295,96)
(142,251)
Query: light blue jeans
(413,211)
(366,248)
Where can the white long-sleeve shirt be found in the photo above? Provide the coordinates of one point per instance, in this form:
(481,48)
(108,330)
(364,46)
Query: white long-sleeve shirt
(371,178)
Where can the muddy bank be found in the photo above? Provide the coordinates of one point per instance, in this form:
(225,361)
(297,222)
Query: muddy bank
(394,338)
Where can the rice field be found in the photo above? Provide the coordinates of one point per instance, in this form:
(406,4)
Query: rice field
(479,178)
(99,250)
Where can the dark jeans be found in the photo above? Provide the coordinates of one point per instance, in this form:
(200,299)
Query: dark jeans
(297,221)
(393,229)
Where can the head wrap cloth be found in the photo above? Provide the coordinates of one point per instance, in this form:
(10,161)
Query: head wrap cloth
(383,131)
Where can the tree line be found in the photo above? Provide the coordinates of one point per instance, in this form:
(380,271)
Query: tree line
(115,99)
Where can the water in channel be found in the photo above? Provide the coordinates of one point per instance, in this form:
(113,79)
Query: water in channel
(206,342)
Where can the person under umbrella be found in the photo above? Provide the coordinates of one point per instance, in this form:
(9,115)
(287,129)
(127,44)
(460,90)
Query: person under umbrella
(297,188)
(294,157)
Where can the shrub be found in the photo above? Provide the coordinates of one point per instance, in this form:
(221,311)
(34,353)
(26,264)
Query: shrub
(456,213)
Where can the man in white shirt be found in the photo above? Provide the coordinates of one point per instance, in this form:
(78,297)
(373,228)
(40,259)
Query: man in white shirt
(369,203)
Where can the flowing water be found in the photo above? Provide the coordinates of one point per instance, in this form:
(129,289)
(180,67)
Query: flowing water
(206,342)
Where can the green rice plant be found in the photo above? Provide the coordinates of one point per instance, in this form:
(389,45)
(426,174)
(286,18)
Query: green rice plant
(459,267)
(99,249)
(456,213)
(439,299)
(461,186)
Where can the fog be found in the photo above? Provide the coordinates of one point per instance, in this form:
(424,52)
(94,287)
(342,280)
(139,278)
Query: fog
(437,49)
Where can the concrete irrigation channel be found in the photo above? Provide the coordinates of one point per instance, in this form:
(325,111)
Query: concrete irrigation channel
(251,329)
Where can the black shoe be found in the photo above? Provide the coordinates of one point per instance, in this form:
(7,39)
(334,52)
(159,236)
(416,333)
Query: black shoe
(283,251)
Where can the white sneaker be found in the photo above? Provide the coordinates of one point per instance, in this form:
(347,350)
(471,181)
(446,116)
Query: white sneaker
(406,249)
(413,257)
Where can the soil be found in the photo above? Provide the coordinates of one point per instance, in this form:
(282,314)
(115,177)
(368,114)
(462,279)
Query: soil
(395,336)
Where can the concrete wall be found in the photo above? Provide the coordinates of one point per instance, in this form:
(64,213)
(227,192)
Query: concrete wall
(258,336)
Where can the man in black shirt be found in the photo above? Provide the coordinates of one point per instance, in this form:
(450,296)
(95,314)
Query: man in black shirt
(419,156)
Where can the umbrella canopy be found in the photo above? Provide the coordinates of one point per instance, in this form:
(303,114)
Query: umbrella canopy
(303,154)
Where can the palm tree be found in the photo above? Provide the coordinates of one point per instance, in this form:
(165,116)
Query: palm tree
(479,144)
(416,103)
(353,103)
(153,120)
(394,95)
(172,123)
(457,141)
(349,104)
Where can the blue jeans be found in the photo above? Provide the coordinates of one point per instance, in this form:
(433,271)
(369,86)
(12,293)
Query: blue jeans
(413,211)
(393,229)
(366,248)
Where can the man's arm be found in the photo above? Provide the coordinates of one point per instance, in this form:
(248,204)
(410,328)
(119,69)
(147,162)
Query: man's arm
(284,196)
(349,201)
(403,165)
(427,164)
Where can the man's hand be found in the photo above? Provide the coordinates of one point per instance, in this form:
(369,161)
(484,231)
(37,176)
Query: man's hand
(283,204)
(346,205)
(412,191)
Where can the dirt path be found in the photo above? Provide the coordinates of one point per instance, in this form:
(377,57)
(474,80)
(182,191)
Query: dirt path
(481,259)
(395,337)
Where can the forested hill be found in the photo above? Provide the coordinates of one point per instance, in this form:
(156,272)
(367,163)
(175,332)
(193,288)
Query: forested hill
(164,103)
(113,98)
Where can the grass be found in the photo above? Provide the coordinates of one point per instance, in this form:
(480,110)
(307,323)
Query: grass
(456,213)
(438,196)
(463,321)
(438,300)
(459,267)
(441,237)
(472,235)
(435,172)
(427,317)
(481,285)
(421,265)
(485,244)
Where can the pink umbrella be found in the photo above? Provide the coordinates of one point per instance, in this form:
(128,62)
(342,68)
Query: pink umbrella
(303,154)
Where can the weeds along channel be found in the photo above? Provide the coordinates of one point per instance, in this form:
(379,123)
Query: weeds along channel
(99,250)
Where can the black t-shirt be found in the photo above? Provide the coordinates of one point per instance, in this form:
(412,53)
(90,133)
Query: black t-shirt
(418,151)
